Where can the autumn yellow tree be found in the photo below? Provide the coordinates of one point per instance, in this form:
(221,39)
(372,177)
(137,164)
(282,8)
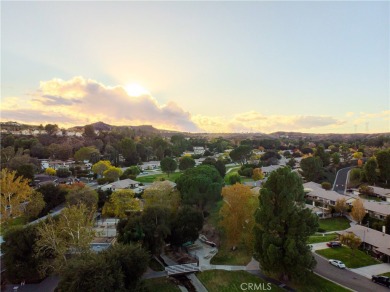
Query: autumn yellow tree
(351,240)
(100,167)
(341,206)
(121,203)
(14,191)
(358,212)
(50,171)
(257,174)
(161,193)
(235,212)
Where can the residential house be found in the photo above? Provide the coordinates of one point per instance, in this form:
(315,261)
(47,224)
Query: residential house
(375,241)
(382,193)
(150,165)
(125,184)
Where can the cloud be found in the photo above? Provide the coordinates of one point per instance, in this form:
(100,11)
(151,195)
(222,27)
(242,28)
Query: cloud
(80,101)
(85,100)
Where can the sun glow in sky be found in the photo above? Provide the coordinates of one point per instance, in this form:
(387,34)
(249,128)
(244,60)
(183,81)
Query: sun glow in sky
(311,66)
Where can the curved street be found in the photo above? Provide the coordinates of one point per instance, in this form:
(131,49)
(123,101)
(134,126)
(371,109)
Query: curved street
(340,182)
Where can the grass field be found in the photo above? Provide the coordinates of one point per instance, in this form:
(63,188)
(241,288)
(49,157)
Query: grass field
(230,281)
(318,284)
(334,224)
(153,177)
(351,258)
(322,238)
(159,284)
(371,198)
(386,274)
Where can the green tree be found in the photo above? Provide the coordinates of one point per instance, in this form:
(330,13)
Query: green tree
(335,157)
(53,196)
(131,171)
(35,205)
(118,268)
(369,170)
(51,128)
(291,162)
(383,160)
(26,171)
(63,172)
(186,162)
(161,193)
(86,153)
(186,226)
(200,185)
(232,178)
(283,225)
(219,165)
(168,165)
(84,195)
(18,254)
(129,152)
(241,153)
(89,131)
(324,156)
(355,176)
(311,168)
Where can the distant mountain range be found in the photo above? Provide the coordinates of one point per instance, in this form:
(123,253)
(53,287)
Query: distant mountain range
(150,130)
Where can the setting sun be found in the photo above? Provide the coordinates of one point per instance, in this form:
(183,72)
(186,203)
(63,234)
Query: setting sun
(135,90)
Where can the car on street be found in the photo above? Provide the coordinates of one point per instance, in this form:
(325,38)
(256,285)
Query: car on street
(337,263)
(385,281)
(334,244)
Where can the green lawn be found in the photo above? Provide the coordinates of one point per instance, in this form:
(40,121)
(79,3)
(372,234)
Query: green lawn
(229,281)
(318,284)
(372,198)
(160,284)
(386,274)
(153,177)
(321,238)
(351,258)
(334,224)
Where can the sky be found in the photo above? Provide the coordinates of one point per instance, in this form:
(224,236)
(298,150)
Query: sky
(312,66)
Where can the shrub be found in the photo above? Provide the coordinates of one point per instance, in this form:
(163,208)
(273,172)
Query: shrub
(326,185)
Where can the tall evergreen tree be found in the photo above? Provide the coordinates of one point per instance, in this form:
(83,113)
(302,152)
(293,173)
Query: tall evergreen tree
(383,159)
(283,225)
(370,170)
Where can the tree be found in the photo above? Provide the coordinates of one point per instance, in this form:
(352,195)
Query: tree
(387,224)
(131,171)
(14,191)
(86,153)
(283,225)
(51,128)
(311,168)
(72,233)
(118,268)
(234,212)
(355,176)
(326,185)
(26,171)
(121,203)
(112,173)
(341,206)
(186,162)
(18,254)
(35,205)
(241,153)
(63,172)
(369,170)
(200,185)
(358,155)
(291,162)
(351,240)
(129,152)
(358,212)
(232,178)
(335,157)
(50,171)
(161,193)
(168,165)
(100,167)
(84,195)
(257,174)
(89,131)
(53,196)
(186,226)
(383,160)
(219,165)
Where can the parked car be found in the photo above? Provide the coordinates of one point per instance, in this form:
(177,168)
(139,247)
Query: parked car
(337,263)
(334,244)
(381,280)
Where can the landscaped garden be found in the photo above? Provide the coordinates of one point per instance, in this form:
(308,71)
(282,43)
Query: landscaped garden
(162,176)
(333,224)
(351,258)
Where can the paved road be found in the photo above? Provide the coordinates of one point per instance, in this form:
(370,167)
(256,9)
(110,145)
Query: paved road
(340,183)
(346,277)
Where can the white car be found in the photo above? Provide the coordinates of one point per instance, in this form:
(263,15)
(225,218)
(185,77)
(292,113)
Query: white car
(337,263)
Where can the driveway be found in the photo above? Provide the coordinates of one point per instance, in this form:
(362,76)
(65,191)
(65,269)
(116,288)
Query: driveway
(368,271)
(317,246)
